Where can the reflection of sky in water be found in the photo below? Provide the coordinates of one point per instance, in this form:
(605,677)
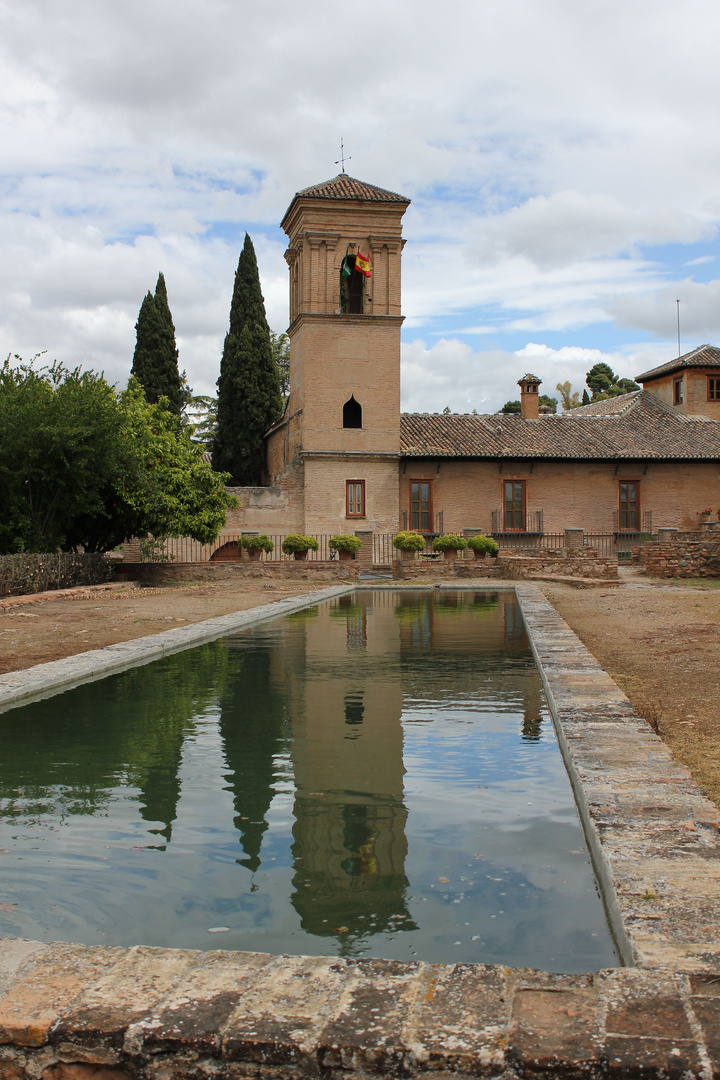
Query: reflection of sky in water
(421,809)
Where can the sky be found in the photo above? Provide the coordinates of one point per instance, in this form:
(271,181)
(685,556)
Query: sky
(562,159)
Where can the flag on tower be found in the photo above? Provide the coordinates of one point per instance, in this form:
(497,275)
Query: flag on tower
(362,264)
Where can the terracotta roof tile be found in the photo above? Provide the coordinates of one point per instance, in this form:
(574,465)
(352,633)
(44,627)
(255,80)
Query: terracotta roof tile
(703,356)
(609,407)
(641,428)
(343,186)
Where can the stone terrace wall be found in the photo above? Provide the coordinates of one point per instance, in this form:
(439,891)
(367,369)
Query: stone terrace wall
(152,572)
(682,558)
(511,567)
(570,562)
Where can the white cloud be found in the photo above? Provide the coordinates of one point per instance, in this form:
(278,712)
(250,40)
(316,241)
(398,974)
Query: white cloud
(656,312)
(568,227)
(543,145)
(451,373)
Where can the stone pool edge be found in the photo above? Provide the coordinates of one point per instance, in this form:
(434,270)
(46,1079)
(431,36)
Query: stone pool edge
(652,832)
(44,680)
(69,1012)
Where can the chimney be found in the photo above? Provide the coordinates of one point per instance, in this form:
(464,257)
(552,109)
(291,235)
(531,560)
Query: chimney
(529,407)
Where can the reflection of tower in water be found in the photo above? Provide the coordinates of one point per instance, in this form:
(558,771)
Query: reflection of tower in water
(350,846)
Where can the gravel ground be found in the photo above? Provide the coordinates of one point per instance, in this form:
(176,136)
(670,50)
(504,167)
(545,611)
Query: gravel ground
(660,641)
(34,631)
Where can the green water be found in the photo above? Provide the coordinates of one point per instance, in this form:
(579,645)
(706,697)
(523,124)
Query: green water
(375,776)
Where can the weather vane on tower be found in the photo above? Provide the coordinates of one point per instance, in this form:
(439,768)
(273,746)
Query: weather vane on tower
(342,159)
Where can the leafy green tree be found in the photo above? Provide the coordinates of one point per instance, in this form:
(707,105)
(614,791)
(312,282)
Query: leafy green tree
(600,377)
(165,486)
(202,417)
(155,363)
(280,345)
(60,431)
(511,407)
(80,467)
(604,383)
(548,402)
(249,399)
(569,398)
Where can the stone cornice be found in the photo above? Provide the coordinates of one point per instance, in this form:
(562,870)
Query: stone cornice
(349,320)
(373,455)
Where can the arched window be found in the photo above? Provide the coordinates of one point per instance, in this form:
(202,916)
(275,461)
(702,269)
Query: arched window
(352,413)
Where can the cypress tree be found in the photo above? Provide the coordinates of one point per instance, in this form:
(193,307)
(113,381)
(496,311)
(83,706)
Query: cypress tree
(248,388)
(155,362)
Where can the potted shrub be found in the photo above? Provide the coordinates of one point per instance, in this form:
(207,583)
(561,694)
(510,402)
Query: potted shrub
(298,546)
(449,545)
(255,545)
(482,546)
(345,545)
(408,542)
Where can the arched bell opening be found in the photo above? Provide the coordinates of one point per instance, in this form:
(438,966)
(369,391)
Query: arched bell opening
(352,287)
(352,414)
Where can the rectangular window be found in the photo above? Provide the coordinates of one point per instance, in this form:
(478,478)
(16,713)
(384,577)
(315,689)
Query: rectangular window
(629,507)
(514,505)
(678,391)
(355,498)
(713,388)
(421,505)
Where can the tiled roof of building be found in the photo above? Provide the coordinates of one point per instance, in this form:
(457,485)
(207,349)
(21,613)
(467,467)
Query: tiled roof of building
(640,427)
(614,406)
(343,186)
(703,356)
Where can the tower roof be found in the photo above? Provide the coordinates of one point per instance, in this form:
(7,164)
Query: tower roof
(343,186)
(347,187)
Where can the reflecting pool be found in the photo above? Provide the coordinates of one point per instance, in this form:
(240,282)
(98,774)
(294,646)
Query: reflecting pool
(377,775)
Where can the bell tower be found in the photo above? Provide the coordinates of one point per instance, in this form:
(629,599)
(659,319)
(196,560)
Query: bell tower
(342,422)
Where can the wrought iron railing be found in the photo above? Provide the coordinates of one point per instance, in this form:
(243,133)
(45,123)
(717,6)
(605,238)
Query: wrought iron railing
(532,522)
(529,541)
(227,548)
(628,522)
(384,552)
(434,522)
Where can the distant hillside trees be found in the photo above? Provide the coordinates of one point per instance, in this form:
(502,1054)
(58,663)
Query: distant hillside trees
(602,381)
(155,362)
(544,401)
(249,399)
(81,467)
